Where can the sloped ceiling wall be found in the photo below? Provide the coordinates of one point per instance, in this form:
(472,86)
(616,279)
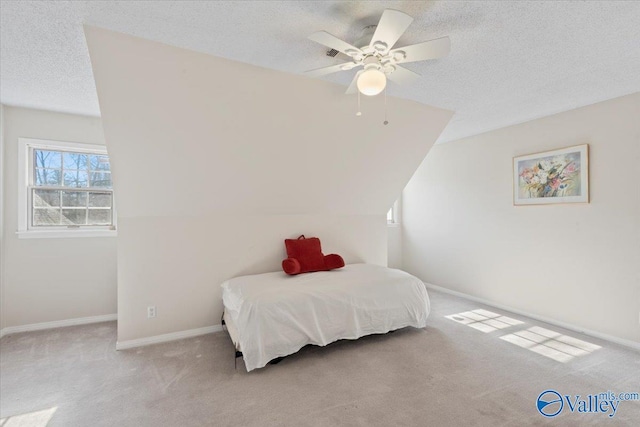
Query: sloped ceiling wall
(262,141)
(195,136)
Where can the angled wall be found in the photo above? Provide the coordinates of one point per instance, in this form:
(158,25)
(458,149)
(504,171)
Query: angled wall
(215,162)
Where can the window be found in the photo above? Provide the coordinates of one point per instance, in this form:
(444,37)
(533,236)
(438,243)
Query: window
(65,189)
(392,215)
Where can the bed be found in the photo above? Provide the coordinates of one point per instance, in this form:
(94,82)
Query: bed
(273,315)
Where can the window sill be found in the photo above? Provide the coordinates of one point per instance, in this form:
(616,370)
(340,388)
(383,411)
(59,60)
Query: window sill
(393,224)
(64,234)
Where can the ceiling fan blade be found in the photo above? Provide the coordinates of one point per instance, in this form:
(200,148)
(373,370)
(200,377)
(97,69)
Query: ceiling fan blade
(353,87)
(333,42)
(433,49)
(402,76)
(319,72)
(392,25)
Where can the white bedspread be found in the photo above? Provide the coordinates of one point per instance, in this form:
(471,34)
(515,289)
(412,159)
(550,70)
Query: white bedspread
(276,314)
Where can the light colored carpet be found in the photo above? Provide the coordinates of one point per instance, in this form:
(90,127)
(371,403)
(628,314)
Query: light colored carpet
(446,374)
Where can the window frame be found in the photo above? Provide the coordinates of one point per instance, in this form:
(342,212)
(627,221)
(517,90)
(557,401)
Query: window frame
(26,167)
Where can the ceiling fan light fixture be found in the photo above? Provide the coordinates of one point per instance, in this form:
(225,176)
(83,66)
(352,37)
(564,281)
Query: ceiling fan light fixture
(375,51)
(371,82)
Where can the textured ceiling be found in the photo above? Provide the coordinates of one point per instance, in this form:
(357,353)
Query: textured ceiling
(510,61)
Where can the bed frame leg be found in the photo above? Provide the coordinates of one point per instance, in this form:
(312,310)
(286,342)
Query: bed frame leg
(235,359)
(238,353)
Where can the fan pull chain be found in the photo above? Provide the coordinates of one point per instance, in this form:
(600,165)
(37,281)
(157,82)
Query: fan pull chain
(386,122)
(359,113)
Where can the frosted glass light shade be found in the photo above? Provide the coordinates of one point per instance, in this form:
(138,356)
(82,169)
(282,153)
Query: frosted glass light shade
(371,82)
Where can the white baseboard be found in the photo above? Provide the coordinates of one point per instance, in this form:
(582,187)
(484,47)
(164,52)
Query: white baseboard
(627,343)
(157,339)
(57,324)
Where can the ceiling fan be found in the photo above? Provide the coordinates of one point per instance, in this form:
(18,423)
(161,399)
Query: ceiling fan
(377,56)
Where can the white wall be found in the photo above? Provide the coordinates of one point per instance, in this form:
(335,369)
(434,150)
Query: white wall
(178,263)
(394,239)
(248,156)
(578,264)
(2,169)
(394,246)
(51,279)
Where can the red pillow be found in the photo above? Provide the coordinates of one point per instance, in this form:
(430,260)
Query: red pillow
(305,255)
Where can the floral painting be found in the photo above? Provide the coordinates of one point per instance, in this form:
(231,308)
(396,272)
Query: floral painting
(559,176)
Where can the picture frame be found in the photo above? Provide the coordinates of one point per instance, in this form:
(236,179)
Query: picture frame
(550,177)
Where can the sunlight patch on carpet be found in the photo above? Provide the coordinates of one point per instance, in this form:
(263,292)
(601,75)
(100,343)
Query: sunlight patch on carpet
(30,419)
(553,345)
(484,320)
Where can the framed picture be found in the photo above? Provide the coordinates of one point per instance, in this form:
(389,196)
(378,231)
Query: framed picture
(558,176)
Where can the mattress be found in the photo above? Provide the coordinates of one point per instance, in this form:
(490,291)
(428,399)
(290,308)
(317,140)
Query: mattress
(274,315)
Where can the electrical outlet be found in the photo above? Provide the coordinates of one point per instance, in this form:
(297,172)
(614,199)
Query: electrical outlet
(151,311)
